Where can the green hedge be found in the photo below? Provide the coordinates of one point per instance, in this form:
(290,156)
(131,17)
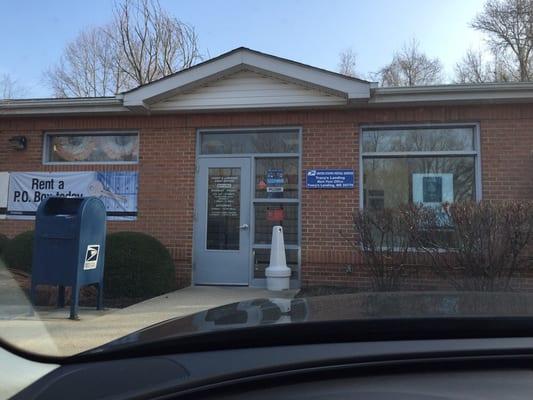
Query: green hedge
(137,265)
(18,252)
(4,240)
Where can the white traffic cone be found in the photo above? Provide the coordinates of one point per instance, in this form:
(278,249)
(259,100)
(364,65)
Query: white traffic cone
(278,274)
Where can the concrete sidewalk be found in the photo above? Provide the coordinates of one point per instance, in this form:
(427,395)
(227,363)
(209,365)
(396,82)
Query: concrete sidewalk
(51,332)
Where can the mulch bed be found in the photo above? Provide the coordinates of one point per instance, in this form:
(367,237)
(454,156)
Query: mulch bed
(47,295)
(325,291)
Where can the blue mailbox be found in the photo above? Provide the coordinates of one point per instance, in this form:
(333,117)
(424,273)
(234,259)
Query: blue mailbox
(69,247)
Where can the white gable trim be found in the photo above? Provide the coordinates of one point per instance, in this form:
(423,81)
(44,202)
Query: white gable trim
(245,59)
(248,90)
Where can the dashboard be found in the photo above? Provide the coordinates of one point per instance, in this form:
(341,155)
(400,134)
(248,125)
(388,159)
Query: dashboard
(487,368)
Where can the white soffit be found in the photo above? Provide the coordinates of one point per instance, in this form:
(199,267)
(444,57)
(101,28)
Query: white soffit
(242,59)
(248,90)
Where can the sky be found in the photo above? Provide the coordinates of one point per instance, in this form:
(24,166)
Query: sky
(34,32)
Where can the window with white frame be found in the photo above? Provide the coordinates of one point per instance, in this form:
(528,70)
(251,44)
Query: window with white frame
(113,147)
(419,164)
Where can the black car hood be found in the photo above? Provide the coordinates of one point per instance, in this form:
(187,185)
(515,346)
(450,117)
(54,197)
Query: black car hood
(348,307)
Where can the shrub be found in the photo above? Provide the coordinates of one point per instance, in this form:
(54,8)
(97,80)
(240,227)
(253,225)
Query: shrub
(3,243)
(137,265)
(19,250)
(383,241)
(480,246)
(472,246)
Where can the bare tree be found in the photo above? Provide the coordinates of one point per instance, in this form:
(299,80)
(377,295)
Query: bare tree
(509,26)
(411,67)
(347,62)
(88,67)
(472,69)
(10,87)
(154,43)
(477,68)
(141,44)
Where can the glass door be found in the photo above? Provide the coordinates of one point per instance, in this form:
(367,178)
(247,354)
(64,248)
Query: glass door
(222,225)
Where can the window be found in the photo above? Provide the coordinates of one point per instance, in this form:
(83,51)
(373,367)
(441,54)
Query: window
(91,148)
(223,208)
(276,202)
(285,170)
(428,165)
(264,141)
(268,215)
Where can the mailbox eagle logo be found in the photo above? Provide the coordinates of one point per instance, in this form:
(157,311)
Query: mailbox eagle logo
(91,256)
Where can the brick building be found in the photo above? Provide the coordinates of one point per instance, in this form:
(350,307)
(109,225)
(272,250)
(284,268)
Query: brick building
(227,149)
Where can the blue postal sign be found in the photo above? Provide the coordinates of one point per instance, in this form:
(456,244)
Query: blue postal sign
(330,179)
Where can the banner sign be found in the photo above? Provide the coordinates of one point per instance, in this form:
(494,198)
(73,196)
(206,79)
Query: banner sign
(330,179)
(117,189)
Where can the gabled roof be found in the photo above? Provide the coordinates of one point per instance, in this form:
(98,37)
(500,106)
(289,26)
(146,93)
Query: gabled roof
(245,79)
(244,59)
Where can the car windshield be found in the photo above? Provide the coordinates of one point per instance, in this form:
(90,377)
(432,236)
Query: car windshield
(173,169)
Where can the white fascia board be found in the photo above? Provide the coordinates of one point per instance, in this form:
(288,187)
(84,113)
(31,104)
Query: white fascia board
(242,59)
(353,89)
(163,87)
(40,107)
(482,93)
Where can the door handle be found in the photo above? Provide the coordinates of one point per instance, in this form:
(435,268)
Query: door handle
(243,226)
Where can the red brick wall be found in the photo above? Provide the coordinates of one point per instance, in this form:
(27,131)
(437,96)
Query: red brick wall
(330,140)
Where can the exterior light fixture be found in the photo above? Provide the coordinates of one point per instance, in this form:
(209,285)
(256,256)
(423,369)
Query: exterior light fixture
(18,143)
